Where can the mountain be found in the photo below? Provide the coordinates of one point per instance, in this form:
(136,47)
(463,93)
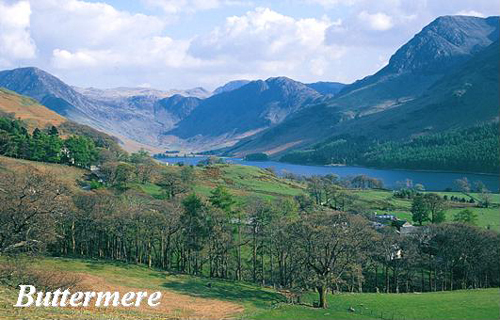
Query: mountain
(326,87)
(145,117)
(125,92)
(418,75)
(442,78)
(34,115)
(466,96)
(137,120)
(49,91)
(250,108)
(322,87)
(230,86)
(442,45)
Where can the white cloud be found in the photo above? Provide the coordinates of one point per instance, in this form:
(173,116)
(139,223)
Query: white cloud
(75,24)
(191,6)
(470,13)
(268,43)
(78,35)
(15,40)
(176,6)
(377,21)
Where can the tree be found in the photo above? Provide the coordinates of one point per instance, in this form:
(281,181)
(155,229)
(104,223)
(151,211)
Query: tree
(80,151)
(140,156)
(419,210)
(331,243)
(419,187)
(436,207)
(53,131)
(260,215)
(172,184)
(485,198)
(187,175)
(222,199)
(466,216)
(479,186)
(195,230)
(463,185)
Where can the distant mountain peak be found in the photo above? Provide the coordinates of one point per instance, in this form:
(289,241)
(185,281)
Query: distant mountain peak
(444,42)
(230,86)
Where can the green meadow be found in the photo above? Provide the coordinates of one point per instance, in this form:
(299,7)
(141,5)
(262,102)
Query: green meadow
(251,301)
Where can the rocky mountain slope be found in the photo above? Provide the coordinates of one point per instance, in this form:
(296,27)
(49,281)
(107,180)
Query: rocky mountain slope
(252,107)
(421,73)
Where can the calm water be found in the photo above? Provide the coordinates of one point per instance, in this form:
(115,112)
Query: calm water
(434,181)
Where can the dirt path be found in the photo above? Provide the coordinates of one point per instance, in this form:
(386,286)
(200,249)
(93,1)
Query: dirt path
(172,304)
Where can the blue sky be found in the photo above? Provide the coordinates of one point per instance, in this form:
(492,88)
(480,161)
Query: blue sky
(187,43)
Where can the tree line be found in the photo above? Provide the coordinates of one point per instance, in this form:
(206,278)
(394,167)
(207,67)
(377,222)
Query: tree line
(317,241)
(45,145)
(474,149)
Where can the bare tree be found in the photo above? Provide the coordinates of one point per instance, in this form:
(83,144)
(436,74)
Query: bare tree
(32,201)
(331,243)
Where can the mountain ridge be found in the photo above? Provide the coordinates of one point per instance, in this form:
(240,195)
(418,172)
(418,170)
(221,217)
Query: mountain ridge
(252,106)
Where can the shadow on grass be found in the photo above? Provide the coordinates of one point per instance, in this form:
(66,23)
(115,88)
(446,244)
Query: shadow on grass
(224,290)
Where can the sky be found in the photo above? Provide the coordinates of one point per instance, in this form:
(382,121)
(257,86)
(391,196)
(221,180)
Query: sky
(182,44)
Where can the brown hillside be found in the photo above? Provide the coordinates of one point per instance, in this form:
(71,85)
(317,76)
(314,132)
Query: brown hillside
(30,111)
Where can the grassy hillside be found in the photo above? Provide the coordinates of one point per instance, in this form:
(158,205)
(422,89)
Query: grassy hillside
(466,96)
(185,296)
(242,181)
(30,111)
(246,182)
(62,172)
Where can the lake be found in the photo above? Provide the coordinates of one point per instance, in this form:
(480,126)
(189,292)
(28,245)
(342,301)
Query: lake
(434,181)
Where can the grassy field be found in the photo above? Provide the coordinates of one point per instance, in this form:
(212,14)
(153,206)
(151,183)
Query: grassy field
(246,181)
(185,296)
(477,304)
(383,202)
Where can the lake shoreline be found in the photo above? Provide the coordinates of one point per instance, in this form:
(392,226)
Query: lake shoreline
(337,165)
(392,178)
